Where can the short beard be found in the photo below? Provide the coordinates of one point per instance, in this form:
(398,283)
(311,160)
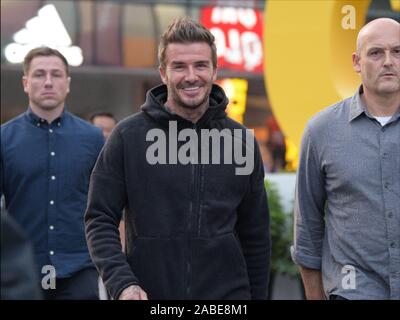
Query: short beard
(184,105)
(179,102)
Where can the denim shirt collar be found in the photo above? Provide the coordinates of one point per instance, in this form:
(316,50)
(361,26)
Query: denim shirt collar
(37,121)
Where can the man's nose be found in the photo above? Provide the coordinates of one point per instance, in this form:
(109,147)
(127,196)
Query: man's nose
(48,81)
(191,75)
(388,59)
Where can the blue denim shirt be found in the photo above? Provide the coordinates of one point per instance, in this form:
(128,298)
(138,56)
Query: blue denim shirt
(45,171)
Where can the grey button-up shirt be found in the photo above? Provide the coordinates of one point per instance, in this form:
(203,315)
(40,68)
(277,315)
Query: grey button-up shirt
(347,205)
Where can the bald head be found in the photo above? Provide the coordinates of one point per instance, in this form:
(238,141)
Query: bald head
(375,27)
(377,61)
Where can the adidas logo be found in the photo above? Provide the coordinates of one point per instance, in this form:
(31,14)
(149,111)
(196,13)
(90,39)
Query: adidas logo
(46,29)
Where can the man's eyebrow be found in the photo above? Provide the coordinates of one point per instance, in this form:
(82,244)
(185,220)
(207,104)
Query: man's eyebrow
(44,70)
(177,62)
(378,47)
(203,61)
(196,62)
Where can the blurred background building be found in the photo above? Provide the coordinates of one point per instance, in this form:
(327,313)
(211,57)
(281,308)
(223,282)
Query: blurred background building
(114,44)
(118,42)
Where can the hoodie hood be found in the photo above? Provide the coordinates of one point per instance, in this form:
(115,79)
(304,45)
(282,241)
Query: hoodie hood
(156,98)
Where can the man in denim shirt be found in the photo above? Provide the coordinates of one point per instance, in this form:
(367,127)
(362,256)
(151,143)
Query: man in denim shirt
(347,207)
(47,155)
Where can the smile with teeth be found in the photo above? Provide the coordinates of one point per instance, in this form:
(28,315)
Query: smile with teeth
(191,88)
(191,91)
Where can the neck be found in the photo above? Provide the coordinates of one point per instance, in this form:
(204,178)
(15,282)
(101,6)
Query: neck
(192,115)
(49,115)
(381,105)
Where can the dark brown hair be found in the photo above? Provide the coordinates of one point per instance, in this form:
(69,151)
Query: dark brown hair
(186,30)
(96,114)
(43,52)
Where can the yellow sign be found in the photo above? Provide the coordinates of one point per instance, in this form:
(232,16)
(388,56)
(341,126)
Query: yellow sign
(307,57)
(395,4)
(236,91)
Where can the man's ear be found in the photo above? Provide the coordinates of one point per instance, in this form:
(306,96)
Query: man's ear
(25,84)
(356,62)
(163,74)
(69,83)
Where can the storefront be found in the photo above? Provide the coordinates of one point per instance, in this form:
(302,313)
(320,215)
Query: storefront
(113,45)
(117,41)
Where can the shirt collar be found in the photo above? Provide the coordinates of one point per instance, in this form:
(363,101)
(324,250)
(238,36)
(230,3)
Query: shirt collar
(357,107)
(37,121)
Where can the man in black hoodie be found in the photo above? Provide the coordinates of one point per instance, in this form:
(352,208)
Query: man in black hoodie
(197,221)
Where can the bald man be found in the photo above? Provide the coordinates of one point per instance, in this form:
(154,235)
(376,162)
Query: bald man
(347,204)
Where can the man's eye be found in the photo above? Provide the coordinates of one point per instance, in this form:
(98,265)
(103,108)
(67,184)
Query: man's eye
(375,53)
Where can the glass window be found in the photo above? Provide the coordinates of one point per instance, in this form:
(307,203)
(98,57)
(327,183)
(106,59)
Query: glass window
(108,33)
(138,36)
(165,13)
(86,38)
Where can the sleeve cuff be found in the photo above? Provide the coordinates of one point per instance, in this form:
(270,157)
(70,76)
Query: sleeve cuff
(304,260)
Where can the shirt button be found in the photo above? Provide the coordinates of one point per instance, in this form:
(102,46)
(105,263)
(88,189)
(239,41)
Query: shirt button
(51,202)
(53,177)
(51,227)
(51,130)
(387,184)
(38,124)
(58,124)
(51,252)
(52,154)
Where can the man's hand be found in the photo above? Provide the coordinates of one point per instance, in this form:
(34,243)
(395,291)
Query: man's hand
(133,292)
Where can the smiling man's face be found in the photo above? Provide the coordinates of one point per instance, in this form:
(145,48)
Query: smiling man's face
(188,74)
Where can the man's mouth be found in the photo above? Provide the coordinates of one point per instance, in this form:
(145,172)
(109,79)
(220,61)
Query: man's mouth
(388,74)
(191,88)
(48,94)
(191,91)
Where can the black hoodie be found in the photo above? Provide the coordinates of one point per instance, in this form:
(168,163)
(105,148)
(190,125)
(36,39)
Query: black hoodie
(193,231)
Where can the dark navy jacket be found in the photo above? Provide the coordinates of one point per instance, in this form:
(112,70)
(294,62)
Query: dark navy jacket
(194,231)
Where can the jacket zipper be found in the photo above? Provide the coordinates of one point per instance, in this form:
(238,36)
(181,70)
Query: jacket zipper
(194,204)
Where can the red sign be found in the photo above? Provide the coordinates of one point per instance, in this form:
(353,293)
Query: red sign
(238,36)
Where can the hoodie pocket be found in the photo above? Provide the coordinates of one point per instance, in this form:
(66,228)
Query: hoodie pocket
(219,269)
(158,265)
